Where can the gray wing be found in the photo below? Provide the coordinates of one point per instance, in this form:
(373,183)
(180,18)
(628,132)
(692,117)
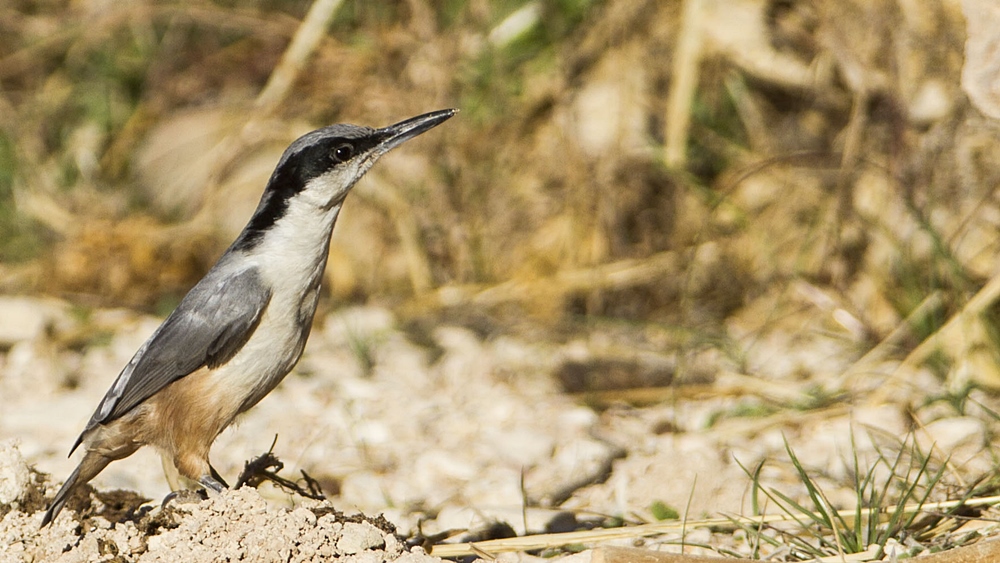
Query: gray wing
(211,324)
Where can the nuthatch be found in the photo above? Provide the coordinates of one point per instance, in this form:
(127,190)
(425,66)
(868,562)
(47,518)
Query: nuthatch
(242,328)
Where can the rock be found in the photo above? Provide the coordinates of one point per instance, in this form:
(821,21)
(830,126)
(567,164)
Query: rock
(959,437)
(24,318)
(14,475)
(355,538)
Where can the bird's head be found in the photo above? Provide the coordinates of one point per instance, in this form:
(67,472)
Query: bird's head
(321,167)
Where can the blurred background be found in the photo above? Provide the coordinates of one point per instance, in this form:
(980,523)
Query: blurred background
(732,163)
(774,199)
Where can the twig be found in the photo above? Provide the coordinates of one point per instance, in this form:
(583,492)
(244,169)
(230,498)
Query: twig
(265,467)
(599,475)
(684,82)
(932,305)
(384,195)
(542,541)
(306,39)
(613,275)
(981,301)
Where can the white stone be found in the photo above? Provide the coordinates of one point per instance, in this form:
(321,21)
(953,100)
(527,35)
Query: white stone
(14,475)
(356,538)
(24,318)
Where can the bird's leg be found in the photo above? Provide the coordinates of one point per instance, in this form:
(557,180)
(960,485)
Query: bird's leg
(194,465)
(213,482)
(170,473)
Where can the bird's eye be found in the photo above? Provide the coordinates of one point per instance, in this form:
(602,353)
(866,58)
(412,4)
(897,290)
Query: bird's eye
(343,153)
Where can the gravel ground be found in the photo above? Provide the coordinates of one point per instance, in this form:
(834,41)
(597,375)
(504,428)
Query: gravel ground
(453,433)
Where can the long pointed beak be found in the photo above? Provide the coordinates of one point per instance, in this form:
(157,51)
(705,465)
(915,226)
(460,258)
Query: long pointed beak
(395,135)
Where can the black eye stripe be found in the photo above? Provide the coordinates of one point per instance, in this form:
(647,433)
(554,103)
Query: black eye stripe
(308,157)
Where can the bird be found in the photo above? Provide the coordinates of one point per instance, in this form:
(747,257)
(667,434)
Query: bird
(242,328)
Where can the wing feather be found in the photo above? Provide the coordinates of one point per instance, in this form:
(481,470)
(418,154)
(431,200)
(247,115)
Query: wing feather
(210,325)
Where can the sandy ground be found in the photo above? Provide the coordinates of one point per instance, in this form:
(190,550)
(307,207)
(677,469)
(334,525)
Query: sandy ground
(453,433)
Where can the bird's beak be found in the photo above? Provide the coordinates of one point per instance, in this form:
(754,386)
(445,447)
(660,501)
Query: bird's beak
(395,135)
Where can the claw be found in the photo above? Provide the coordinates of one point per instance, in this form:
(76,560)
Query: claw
(218,478)
(211,484)
(183,496)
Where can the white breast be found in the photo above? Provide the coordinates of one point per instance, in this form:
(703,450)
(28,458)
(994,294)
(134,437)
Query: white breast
(291,258)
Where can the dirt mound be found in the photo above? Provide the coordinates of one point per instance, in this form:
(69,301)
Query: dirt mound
(236,525)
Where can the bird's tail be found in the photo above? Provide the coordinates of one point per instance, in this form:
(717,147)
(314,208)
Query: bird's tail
(91,465)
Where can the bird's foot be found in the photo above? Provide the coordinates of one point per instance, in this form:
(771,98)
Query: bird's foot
(184,496)
(211,484)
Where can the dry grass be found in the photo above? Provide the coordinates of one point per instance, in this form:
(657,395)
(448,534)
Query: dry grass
(838,179)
